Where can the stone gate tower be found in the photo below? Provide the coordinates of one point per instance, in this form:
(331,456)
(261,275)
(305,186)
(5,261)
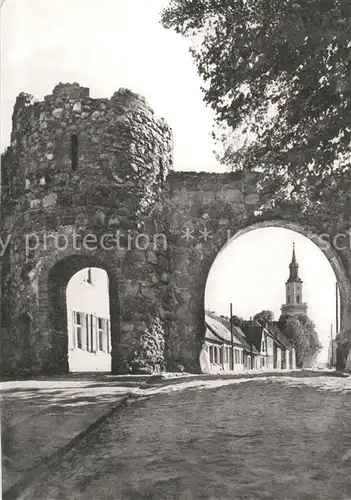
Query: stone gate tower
(89,183)
(294,305)
(78,172)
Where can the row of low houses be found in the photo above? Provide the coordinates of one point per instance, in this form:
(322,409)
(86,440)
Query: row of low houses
(258,347)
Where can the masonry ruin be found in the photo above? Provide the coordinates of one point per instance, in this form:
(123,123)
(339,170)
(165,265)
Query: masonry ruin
(78,172)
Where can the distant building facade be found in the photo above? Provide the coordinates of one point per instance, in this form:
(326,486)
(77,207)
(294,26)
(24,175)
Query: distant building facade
(256,347)
(219,354)
(294,304)
(275,351)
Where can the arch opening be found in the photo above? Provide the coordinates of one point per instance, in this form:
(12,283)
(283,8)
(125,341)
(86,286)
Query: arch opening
(82,315)
(263,291)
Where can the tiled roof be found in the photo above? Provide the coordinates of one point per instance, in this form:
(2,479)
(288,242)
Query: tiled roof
(280,337)
(221,327)
(238,332)
(218,328)
(209,335)
(254,336)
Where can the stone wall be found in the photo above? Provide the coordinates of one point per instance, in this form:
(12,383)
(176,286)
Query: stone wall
(86,168)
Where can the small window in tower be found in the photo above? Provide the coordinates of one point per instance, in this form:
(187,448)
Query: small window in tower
(298,299)
(289,299)
(27,184)
(74,151)
(89,279)
(161,173)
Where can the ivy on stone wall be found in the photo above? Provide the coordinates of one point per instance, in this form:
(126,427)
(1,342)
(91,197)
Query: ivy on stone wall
(147,353)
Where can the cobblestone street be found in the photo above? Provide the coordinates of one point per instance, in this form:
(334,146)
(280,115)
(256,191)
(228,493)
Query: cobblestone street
(279,438)
(40,417)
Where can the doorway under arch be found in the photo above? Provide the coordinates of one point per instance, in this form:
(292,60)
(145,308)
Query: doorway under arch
(88,321)
(67,346)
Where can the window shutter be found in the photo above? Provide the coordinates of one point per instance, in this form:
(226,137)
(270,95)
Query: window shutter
(93,332)
(108,336)
(72,330)
(104,345)
(87,332)
(96,332)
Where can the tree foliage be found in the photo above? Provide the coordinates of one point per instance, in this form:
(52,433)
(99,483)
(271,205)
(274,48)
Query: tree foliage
(264,317)
(301,331)
(283,321)
(279,70)
(237,320)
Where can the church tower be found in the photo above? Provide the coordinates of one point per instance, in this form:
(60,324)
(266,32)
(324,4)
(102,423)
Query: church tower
(293,287)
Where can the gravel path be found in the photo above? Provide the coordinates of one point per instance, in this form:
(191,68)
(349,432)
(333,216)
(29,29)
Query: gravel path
(40,417)
(276,439)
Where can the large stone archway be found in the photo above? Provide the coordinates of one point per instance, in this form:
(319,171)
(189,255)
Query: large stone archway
(205,213)
(120,179)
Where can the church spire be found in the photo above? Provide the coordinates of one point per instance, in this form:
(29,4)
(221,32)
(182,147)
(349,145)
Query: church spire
(293,288)
(294,269)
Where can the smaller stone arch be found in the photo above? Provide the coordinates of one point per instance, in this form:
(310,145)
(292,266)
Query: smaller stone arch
(55,274)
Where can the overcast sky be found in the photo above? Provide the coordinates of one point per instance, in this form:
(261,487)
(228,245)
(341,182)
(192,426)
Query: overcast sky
(108,44)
